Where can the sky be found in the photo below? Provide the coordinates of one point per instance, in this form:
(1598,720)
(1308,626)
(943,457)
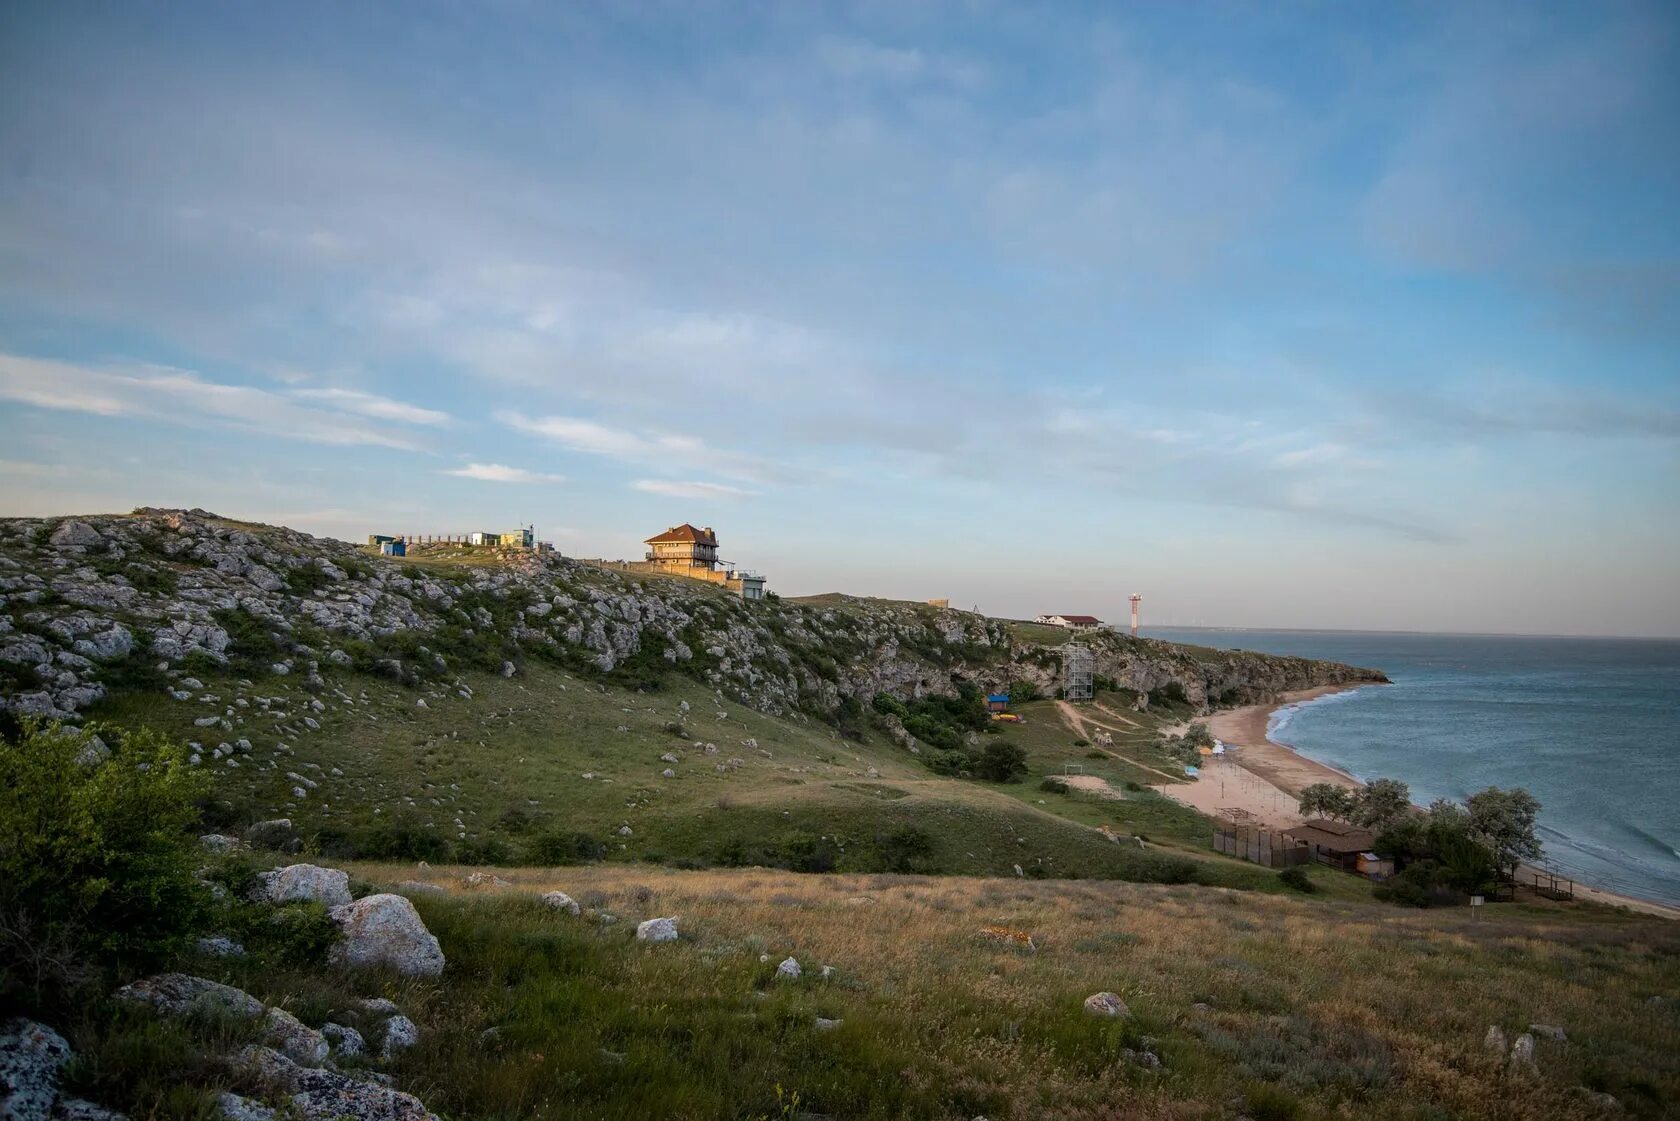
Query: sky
(1343,315)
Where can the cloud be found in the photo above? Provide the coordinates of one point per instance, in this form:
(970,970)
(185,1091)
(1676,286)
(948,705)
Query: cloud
(1317,453)
(372,405)
(651,449)
(163,393)
(672,488)
(499,473)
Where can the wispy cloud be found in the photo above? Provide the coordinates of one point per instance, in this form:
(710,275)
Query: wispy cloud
(373,405)
(647,449)
(162,393)
(500,473)
(673,488)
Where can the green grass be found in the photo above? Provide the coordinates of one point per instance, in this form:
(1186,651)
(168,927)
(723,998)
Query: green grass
(498,776)
(1339,1009)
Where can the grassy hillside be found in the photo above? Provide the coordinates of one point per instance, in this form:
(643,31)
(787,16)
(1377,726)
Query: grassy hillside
(1246,1006)
(550,766)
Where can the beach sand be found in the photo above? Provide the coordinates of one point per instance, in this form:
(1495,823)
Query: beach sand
(1258,781)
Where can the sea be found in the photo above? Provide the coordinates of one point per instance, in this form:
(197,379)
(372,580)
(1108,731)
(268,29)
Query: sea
(1589,726)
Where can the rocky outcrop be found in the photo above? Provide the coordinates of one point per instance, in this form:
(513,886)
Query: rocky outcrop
(386,931)
(324,1095)
(177,994)
(177,587)
(303,883)
(31,1055)
(657,930)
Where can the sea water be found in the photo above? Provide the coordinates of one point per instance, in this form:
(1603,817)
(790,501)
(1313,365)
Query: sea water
(1591,727)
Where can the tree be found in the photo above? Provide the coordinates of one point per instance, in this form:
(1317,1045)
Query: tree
(97,858)
(1001,762)
(1326,799)
(1381,803)
(1504,821)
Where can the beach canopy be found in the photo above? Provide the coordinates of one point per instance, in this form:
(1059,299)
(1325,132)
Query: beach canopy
(1191,771)
(1204,751)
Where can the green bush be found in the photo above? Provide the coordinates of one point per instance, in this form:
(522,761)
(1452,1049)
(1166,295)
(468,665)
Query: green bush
(1000,761)
(1297,878)
(1054,784)
(950,763)
(564,848)
(96,856)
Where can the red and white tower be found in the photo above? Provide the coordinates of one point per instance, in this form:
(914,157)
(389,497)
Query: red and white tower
(1136,600)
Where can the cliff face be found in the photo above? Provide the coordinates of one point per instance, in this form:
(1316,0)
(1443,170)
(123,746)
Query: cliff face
(93,604)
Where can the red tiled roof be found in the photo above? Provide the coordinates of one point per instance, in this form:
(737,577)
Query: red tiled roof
(685,532)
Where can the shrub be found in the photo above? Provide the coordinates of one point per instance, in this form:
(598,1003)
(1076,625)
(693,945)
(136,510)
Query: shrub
(905,849)
(96,858)
(1297,878)
(947,762)
(1271,1103)
(1054,784)
(1001,762)
(565,848)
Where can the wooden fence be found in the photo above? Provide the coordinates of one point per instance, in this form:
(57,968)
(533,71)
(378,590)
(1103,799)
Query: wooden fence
(1262,846)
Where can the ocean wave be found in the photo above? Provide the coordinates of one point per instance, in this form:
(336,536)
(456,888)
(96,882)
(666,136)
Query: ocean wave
(1280,717)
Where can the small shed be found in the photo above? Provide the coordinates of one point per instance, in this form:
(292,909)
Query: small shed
(1374,867)
(997,702)
(393,548)
(1335,843)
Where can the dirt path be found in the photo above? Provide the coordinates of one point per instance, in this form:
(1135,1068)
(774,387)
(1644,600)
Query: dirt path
(1074,721)
(1123,719)
(1076,724)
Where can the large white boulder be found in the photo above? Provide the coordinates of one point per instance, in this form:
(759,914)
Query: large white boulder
(1106,1005)
(385,930)
(560,901)
(303,883)
(789,970)
(74,534)
(30,1057)
(657,930)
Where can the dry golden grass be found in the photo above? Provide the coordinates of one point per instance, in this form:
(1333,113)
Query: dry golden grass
(1356,1009)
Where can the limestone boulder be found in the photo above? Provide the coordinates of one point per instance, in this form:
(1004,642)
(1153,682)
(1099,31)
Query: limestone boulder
(178,994)
(1105,1005)
(386,931)
(293,1038)
(560,901)
(75,535)
(400,1034)
(316,1094)
(345,1041)
(789,970)
(78,1109)
(31,1056)
(234,1107)
(303,883)
(657,930)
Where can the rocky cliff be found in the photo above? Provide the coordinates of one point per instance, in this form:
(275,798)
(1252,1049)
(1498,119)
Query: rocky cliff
(89,605)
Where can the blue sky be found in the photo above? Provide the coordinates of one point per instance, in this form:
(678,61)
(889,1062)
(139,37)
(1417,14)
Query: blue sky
(1344,315)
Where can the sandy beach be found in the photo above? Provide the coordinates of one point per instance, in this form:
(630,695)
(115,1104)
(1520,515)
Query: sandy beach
(1258,781)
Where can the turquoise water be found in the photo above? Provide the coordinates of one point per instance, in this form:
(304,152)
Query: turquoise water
(1590,726)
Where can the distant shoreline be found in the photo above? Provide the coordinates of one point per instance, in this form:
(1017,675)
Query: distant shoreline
(1264,778)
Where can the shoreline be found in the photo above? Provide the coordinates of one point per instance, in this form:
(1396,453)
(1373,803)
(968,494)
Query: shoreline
(1258,781)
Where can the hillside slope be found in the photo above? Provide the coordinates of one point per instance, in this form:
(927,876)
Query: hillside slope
(491,707)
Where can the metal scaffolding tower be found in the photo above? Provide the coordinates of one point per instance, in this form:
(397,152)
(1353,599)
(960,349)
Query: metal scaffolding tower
(1078,667)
